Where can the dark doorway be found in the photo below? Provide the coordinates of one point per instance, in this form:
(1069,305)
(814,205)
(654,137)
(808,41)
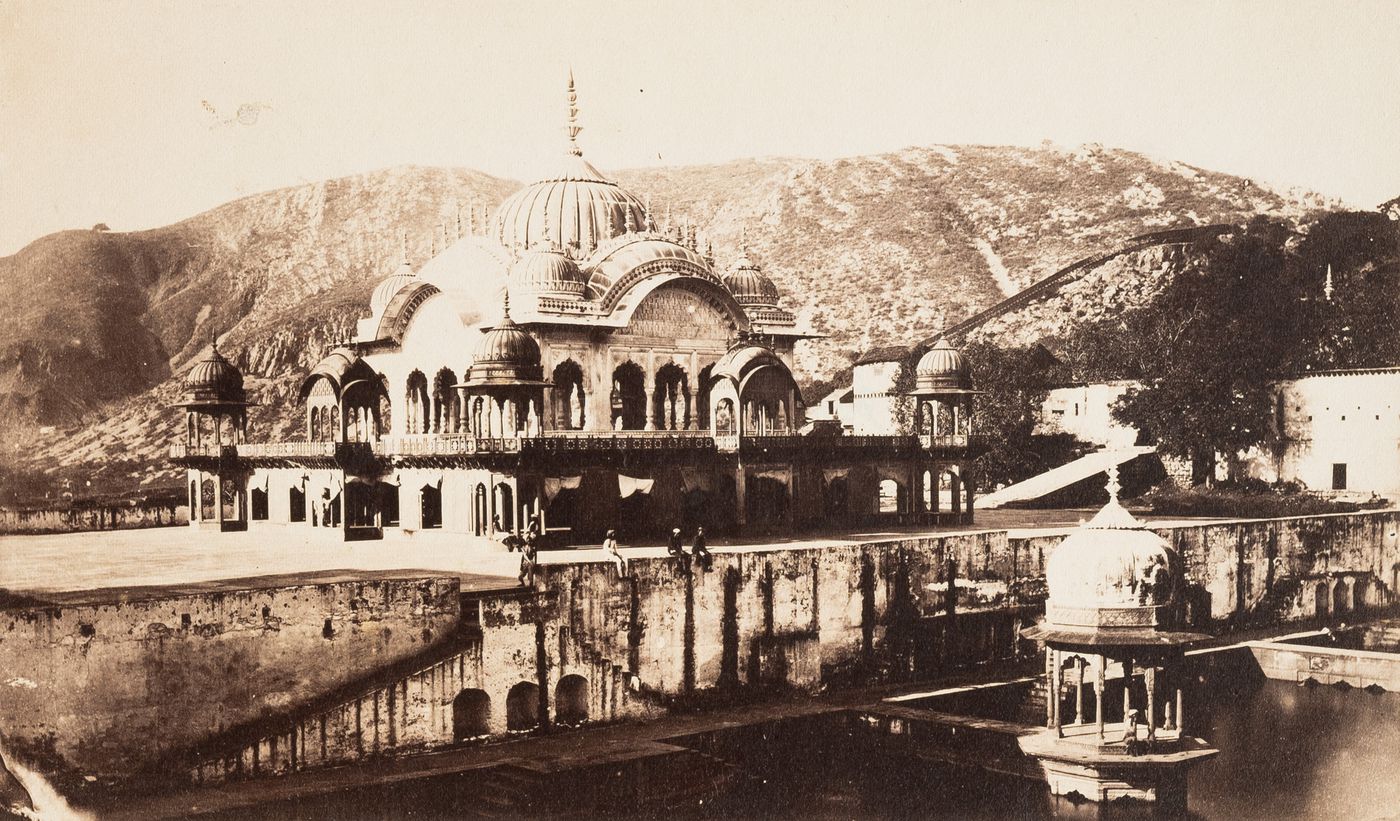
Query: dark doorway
(296,504)
(506,507)
(767,499)
(571,700)
(388,504)
(629,397)
(1339,476)
(430,504)
(257,505)
(523,707)
(471,714)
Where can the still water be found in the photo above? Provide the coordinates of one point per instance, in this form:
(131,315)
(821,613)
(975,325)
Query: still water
(1285,752)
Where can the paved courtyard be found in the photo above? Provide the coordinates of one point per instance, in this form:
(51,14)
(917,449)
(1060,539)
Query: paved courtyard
(123,562)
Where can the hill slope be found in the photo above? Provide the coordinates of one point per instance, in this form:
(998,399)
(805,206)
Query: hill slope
(868,250)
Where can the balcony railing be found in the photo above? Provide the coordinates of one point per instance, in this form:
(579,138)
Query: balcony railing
(445,444)
(203,450)
(287,450)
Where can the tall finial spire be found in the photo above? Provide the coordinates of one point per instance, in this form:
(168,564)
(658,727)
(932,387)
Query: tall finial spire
(573,128)
(1327,286)
(403,245)
(1113,486)
(505,304)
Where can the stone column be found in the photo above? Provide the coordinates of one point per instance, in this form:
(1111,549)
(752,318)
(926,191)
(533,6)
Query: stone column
(650,389)
(219,499)
(1055,694)
(1149,677)
(691,420)
(1127,687)
(1098,695)
(1079,691)
(1180,711)
(1049,676)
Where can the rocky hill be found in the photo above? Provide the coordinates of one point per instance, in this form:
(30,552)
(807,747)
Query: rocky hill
(868,250)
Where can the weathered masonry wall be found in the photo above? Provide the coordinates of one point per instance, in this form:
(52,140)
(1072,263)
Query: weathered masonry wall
(1273,570)
(108,690)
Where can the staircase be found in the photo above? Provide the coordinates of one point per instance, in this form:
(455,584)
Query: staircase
(1062,476)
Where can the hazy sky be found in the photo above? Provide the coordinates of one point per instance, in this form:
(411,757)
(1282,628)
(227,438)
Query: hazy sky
(139,114)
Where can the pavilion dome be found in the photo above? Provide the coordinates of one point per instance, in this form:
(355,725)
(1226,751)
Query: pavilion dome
(942,368)
(505,355)
(214,380)
(750,286)
(391,285)
(548,271)
(1107,568)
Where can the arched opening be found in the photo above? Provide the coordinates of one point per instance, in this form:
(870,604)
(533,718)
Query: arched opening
(386,415)
(1341,600)
(725,422)
(232,501)
(361,504)
(670,398)
(767,500)
(416,404)
(430,506)
(836,498)
(257,505)
(702,397)
(471,714)
(523,707)
(571,700)
(445,414)
(568,396)
(1321,599)
(206,500)
(893,498)
(296,504)
(628,397)
(505,506)
(767,401)
(480,510)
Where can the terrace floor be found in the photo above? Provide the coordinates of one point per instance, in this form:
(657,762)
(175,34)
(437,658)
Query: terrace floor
(120,564)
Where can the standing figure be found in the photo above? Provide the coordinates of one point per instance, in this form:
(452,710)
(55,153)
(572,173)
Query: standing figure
(674,545)
(610,548)
(527,564)
(699,551)
(326,508)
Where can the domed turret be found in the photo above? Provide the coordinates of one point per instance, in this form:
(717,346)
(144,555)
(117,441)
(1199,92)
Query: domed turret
(391,285)
(506,355)
(576,206)
(942,368)
(750,286)
(1110,573)
(214,380)
(548,271)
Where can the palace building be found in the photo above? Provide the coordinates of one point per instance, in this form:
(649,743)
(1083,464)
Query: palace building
(577,363)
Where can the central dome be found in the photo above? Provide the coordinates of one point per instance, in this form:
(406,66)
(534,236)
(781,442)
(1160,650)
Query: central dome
(576,206)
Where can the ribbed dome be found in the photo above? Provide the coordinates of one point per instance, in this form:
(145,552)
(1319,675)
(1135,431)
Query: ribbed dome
(575,206)
(213,380)
(392,284)
(750,286)
(1112,562)
(548,271)
(942,368)
(506,355)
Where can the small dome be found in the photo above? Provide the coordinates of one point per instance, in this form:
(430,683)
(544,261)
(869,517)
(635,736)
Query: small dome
(547,271)
(506,355)
(214,379)
(392,284)
(942,368)
(750,286)
(1111,572)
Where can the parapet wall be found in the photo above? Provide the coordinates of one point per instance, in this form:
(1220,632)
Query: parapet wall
(108,690)
(117,516)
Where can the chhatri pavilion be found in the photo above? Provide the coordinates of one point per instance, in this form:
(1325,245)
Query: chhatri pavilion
(571,361)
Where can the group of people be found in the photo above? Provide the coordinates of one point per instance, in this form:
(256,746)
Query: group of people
(528,545)
(674,546)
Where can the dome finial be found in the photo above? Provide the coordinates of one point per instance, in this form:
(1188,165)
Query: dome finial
(573,128)
(1327,286)
(1113,486)
(505,305)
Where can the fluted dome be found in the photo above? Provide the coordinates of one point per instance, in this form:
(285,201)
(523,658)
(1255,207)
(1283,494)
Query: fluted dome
(750,286)
(506,355)
(943,368)
(574,206)
(547,271)
(1112,572)
(392,284)
(214,380)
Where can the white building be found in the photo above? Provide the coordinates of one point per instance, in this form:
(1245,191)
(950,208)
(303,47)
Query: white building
(1085,412)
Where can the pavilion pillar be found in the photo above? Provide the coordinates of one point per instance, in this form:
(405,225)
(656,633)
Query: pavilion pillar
(1180,710)
(933,408)
(1055,694)
(219,499)
(692,421)
(1149,677)
(1098,694)
(650,408)
(1079,691)
(1127,687)
(1049,676)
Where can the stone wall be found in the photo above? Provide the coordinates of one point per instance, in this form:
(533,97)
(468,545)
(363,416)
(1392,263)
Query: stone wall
(108,690)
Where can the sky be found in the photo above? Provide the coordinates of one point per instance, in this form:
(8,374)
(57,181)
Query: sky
(138,114)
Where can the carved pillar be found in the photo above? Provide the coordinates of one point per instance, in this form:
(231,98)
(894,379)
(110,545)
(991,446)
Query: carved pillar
(1098,694)
(1127,687)
(219,499)
(1049,677)
(1149,676)
(1079,691)
(650,391)
(1055,693)
(1180,710)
